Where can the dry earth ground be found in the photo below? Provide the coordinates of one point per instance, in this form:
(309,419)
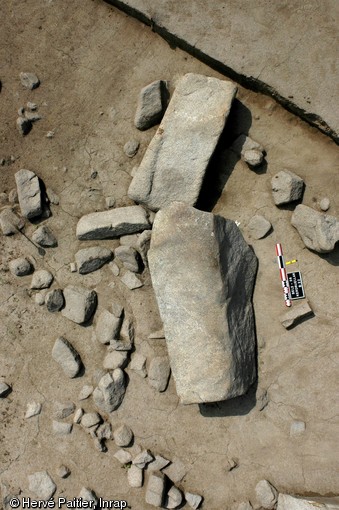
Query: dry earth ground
(92,61)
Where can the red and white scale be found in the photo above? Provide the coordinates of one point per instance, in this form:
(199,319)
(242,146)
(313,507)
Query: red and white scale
(283,274)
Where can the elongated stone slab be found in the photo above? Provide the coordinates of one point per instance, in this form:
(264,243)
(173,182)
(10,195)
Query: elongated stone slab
(203,274)
(175,162)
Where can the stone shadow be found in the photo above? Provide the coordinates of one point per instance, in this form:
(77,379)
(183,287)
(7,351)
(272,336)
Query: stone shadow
(239,406)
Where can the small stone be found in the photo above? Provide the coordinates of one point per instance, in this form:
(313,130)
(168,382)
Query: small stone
(152,103)
(296,314)
(39,298)
(286,187)
(33,409)
(104,431)
(110,391)
(129,257)
(64,409)
(267,495)
(259,226)
(324,204)
(123,457)
(115,359)
(110,202)
(126,339)
(298,428)
(52,196)
(13,196)
(138,364)
(32,116)
(131,281)
(174,497)
(131,148)
(62,429)
(114,268)
(176,470)
(143,244)
(24,125)
(42,485)
(80,304)
(88,495)
(32,106)
(143,458)
(10,223)
(159,373)
(5,389)
(231,464)
(135,476)
(123,435)
(29,193)
(91,259)
(107,327)
(155,490)
(41,279)
(29,80)
(244,143)
(21,111)
(73,267)
(44,237)
(50,134)
(20,267)
(63,471)
(90,420)
(94,174)
(193,500)
(129,240)
(253,157)
(117,309)
(85,392)
(319,232)
(68,358)
(158,463)
(78,415)
(54,300)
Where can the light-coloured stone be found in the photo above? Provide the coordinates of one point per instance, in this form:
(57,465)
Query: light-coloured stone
(63,471)
(131,280)
(41,279)
(155,491)
(286,502)
(297,428)
(52,196)
(88,495)
(117,309)
(73,267)
(158,463)
(20,267)
(319,232)
(138,364)
(324,204)
(80,303)
(107,327)
(78,415)
(91,259)
(44,237)
(296,314)
(115,359)
(123,456)
(174,497)
(126,339)
(143,245)
(29,193)
(13,196)
(54,300)
(266,494)
(39,298)
(175,162)
(152,103)
(4,389)
(123,435)
(10,223)
(176,470)
(129,257)
(29,80)
(135,476)
(110,202)
(131,148)
(104,431)
(68,358)
(159,373)
(113,223)
(130,240)
(286,187)
(33,409)
(193,500)
(63,409)
(110,391)
(143,458)
(253,157)
(32,106)
(259,226)
(85,392)
(61,428)
(23,125)
(210,311)
(41,484)
(90,420)
(244,143)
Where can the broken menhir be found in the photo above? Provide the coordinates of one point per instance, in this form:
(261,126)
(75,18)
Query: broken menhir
(213,312)
(29,193)
(175,162)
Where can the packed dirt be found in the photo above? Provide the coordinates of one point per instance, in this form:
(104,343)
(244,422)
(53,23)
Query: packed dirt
(92,61)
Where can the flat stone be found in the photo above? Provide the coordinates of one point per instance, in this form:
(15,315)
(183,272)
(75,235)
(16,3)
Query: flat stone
(123,435)
(131,280)
(324,204)
(33,409)
(104,431)
(319,232)
(114,268)
(131,148)
(176,470)
(85,392)
(266,494)
(63,471)
(296,314)
(4,389)
(259,226)
(29,80)
(90,420)
(123,457)
(152,103)
(44,237)
(135,476)
(130,240)
(64,409)
(126,338)
(286,187)
(88,495)
(54,300)
(20,267)
(29,193)
(107,327)
(78,415)
(297,428)
(10,223)
(80,304)
(91,259)
(159,373)
(157,335)
(175,162)
(23,125)
(155,491)
(115,359)
(61,428)
(41,484)
(117,309)
(193,500)
(41,279)
(32,116)
(143,458)
(138,364)
(129,257)
(174,497)
(287,502)
(158,463)
(113,223)
(110,391)
(68,358)
(210,311)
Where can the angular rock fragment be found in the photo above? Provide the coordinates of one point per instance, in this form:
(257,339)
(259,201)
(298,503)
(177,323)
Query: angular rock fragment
(91,259)
(123,456)
(117,309)
(152,103)
(155,491)
(297,428)
(176,470)
(80,304)
(63,471)
(44,237)
(23,125)
(259,226)
(143,244)
(175,162)
(29,80)
(286,187)
(10,223)
(42,485)
(193,500)
(159,373)
(115,359)
(287,502)
(131,281)
(138,364)
(85,392)
(64,409)
(33,409)
(123,435)
(129,257)
(88,495)
(251,151)
(78,415)
(32,116)
(266,494)
(41,279)
(90,420)
(54,300)
(319,232)
(296,314)
(107,327)
(61,428)
(68,358)
(131,148)
(126,337)
(110,391)
(20,267)
(114,268)
(29,193)
(212,312)
(5,389)
(324,204)
(174,497)
(112,223)
(135,476)
(253,157)
(143,458)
